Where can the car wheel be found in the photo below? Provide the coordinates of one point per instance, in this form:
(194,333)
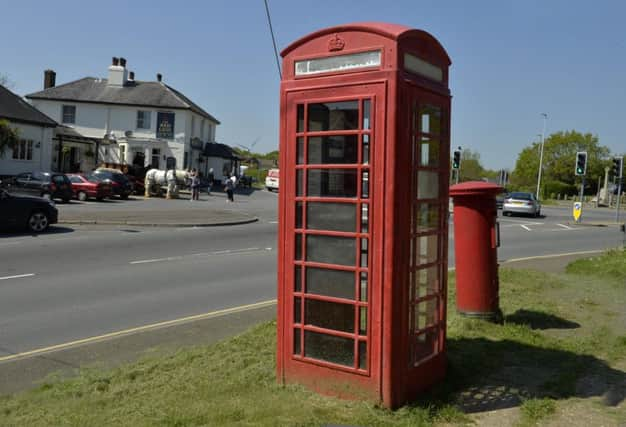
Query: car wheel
(99,199)
(124,197)
(38,221)
(269,189)
(82,196)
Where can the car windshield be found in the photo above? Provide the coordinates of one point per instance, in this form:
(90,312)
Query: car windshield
(94,178)
(521,196)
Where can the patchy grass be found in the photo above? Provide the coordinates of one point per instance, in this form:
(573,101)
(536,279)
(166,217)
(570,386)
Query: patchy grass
(611,265)
(555,344)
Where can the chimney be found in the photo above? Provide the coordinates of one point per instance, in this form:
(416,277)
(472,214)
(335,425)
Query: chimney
(118,74)
(159,77)
(49,79)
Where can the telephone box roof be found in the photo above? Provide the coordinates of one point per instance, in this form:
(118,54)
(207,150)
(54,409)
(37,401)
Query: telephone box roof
(392,31)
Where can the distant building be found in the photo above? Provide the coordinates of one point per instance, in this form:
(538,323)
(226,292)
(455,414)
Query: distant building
(35,131)
(126,121)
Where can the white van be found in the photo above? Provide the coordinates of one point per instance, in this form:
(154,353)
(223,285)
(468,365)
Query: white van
(271,180)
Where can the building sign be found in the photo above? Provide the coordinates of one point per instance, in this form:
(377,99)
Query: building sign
(165,125)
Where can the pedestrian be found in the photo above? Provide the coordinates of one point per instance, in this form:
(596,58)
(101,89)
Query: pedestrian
(210,178)
(229,187)
(195,185)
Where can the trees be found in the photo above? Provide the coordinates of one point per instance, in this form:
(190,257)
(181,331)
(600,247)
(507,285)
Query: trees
(559,156)
(9,137)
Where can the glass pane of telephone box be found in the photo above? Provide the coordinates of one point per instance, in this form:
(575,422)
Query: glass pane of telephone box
(430,119)
(333,116)
(362,355)
(428,152)
(297,348)
(332,283)
(329,315)
(331,249)
(427,249)
(300,118)
(336,149)
(332,183)
(427,185)
(426,217)
(426,281)
(425,314)
(424,345)
(329,348)
(331,216)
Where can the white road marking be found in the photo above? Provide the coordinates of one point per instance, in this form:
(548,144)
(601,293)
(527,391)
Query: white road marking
(144,328)
(524,227)
(196,255)
(19,276)
(564,226)
(272,222)
(555,255)
(502,219)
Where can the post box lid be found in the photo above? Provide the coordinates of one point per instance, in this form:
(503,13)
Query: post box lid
(475,188)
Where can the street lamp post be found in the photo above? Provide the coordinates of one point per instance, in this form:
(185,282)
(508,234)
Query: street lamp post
(543,133)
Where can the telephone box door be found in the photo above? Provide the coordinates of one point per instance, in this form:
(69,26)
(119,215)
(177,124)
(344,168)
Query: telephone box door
(332,286)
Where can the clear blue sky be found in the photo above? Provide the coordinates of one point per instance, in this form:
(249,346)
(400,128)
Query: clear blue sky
(512,60)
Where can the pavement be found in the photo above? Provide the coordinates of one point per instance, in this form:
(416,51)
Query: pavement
(34,368)
(209,211)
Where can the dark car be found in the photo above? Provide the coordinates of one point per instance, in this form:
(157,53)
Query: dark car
(137,184)
(49,185)
(33,213)
(120,183)
(85,186)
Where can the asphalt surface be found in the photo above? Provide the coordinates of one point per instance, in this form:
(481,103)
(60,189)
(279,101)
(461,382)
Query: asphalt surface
(84,281)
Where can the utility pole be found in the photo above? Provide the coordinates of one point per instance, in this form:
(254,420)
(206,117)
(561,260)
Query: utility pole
(543,136)
(618,174)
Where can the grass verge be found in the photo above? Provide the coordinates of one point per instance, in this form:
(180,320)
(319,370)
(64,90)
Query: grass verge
(557,345)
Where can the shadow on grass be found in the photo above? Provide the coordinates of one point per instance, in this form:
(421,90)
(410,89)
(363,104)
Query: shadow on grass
(539,320)
(485,375)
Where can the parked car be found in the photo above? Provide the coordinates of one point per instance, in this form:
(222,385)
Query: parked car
(86,186)
(271,180)
(33,213)
(120,183)
(49,185)
(521,203)
(500,200)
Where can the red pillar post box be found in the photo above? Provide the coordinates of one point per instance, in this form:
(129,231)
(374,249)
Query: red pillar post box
(363,208)
(476,239)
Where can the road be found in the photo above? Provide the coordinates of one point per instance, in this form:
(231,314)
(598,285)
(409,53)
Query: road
(84,281)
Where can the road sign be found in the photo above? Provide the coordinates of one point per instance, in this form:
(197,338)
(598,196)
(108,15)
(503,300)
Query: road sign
(578,211)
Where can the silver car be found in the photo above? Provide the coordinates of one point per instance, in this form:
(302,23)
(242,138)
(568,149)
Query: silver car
(521,203)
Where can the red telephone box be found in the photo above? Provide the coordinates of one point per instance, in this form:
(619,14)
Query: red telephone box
(363,212)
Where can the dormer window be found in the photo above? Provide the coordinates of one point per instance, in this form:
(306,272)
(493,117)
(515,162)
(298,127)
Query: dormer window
(69,114)
(143,119)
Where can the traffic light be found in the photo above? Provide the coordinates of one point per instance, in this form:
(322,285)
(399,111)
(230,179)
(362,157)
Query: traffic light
(581,163)
(617,166)
(456,160)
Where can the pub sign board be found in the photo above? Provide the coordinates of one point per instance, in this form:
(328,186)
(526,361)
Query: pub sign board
(165,125)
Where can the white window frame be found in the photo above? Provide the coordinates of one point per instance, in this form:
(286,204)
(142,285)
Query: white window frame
(141,123)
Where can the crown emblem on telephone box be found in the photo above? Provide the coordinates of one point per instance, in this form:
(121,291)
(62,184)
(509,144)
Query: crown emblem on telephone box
(336,43)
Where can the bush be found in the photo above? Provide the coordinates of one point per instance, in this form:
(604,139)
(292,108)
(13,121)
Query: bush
(557,187)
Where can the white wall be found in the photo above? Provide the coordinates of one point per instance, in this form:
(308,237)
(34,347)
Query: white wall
(42,156)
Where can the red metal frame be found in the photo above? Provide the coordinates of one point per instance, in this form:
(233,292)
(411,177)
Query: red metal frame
(392,372)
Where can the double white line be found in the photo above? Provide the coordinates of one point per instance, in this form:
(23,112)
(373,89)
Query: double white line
(18,276)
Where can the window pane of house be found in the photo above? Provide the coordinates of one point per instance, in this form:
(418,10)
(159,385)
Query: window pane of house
(331,216)
(329,315)
(69,114)
(329,348)
(331,249)
(332,182)
(333,116)
(332,283)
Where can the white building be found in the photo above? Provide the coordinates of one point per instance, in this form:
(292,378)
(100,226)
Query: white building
(34,151)
(127,121)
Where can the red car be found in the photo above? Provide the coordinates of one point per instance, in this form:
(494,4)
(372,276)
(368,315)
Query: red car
(85,186)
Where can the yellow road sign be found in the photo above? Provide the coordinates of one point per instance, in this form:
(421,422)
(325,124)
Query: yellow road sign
(577,211)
